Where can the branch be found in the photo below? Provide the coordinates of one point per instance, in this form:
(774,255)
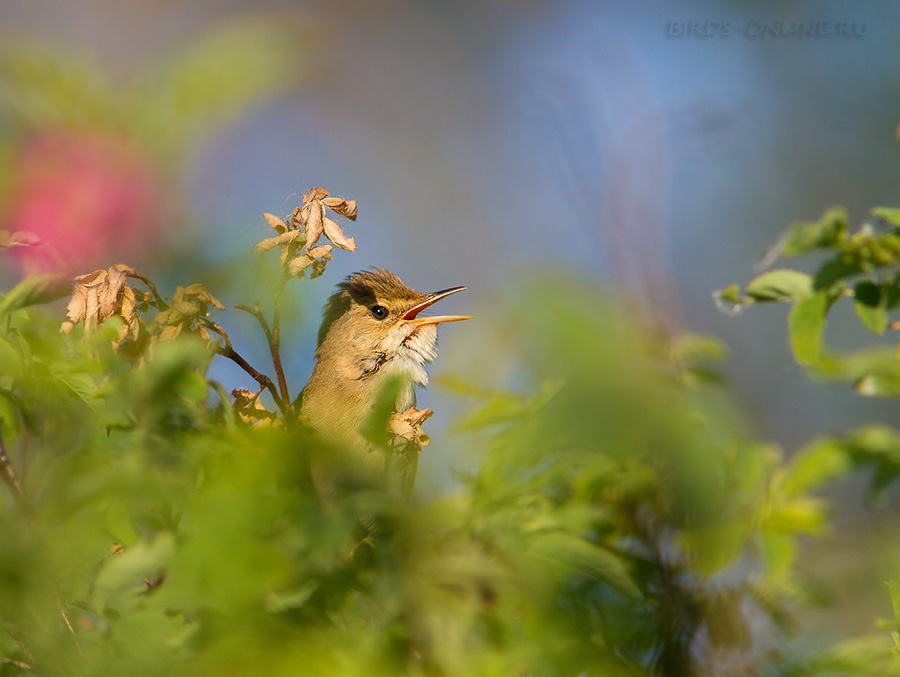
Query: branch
(227,350)
(158,300)
(273,336)
(275,343)
(8,474)
(22,665)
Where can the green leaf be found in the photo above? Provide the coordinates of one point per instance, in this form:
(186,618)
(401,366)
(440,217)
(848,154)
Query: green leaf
(35,290)
(894,589)
(802,238)
(779,550)
(277,603)
(506,407)
(120,580)
(693,348)
(889,214)
(780,285)
(837,269)
(869,303)
(804,514)
(815,465)
(729,299)
(884,383)
(730,294)
(10,360)
(82,385)
(713,547)
(806,325)
(576,554)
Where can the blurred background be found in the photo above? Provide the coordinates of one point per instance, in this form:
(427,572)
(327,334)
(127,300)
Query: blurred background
(659,149)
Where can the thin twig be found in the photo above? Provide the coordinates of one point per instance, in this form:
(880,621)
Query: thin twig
(8,473)
(257,313)
(257,394)
(273,335)
(22,665)
(158,300)
(227,350)
(275,343)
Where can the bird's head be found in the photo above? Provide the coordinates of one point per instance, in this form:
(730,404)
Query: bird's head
(373,320)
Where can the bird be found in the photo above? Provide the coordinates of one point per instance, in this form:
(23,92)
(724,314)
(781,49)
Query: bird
(372,345)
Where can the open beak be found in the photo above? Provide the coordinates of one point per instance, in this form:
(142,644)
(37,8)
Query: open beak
(410,315)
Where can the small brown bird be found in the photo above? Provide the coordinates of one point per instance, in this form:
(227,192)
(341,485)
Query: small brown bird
(371,337)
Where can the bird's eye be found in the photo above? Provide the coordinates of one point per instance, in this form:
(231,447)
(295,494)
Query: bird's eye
(379,312)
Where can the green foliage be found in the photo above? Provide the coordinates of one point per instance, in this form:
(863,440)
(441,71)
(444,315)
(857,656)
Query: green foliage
(169,102)
(619,523)
(863,266)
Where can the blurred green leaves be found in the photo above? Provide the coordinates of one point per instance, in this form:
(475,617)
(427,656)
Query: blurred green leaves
(619,521)
(169,102)
(863,265)
(34,290)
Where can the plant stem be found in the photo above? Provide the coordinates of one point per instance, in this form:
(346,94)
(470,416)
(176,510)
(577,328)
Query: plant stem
(275,343)
(228,351)
(273,335)
(158,300)
(17,664)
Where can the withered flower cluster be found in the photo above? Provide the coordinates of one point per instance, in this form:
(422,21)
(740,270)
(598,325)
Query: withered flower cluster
(298,236)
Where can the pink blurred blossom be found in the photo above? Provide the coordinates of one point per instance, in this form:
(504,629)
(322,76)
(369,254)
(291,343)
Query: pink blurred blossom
(93,199)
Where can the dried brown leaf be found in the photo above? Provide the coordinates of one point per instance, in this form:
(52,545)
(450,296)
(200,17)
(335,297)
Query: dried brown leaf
(314,225)
(128,313)
(315,194)
(323,251)
(334,233)
(408,425)
(346,208)
(124,268)
(170,332)
(102,294)
(76,311)
(277,241)
(243,397)
(128,310)
(85,303)
(90,279)
(300,263)
(180,312)
(250,410)
(199,292)
(275,222)
(109,292)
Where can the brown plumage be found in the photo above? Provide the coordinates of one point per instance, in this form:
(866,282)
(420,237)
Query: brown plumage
(370,336)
